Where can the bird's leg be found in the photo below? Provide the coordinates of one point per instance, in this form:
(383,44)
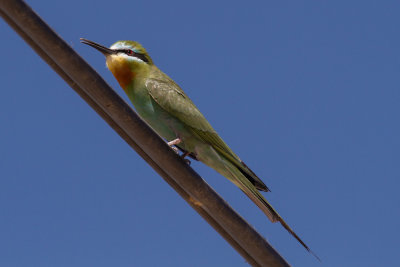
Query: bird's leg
(175,142)
(185,155)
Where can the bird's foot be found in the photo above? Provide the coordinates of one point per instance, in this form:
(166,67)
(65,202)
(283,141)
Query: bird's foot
(175,149)
(188,162)
(175,142)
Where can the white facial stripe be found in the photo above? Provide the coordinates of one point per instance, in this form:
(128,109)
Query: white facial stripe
(129,57)
(122,46)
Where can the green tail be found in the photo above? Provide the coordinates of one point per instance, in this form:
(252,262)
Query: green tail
(250,190)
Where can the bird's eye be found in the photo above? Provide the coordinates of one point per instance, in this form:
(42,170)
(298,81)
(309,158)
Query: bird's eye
(132,53)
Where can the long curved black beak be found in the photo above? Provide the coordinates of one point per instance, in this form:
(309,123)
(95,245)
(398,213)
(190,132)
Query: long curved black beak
(104,50)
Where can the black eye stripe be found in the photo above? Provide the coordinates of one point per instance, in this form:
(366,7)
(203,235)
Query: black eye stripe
(132,53)
(141,56)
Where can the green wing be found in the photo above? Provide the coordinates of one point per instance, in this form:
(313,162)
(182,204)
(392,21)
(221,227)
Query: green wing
(166,93)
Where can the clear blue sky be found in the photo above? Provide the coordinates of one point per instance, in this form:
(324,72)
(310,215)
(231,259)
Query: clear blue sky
(306,93)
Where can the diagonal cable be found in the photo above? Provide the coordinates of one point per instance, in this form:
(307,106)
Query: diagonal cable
(94,90)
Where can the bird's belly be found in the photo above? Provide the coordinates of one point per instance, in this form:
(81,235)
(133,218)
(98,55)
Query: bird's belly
(162,122)
(157,120)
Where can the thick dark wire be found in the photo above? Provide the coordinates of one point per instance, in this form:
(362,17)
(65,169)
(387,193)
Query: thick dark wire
(26,23)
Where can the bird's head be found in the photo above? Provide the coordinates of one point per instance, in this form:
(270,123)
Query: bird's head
(125,59)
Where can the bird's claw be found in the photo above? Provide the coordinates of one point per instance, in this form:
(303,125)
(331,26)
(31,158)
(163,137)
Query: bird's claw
(175,149)
(184,155)
(176,142)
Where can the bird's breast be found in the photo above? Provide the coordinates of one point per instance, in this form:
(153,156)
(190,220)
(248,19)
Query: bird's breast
(121,71)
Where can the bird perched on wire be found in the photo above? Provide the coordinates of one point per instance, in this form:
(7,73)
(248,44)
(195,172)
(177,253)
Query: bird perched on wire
(171,113)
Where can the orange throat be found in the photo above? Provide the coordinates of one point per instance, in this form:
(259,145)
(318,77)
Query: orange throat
(121,71)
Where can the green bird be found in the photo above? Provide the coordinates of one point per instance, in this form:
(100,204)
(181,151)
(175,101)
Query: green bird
(171,113)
